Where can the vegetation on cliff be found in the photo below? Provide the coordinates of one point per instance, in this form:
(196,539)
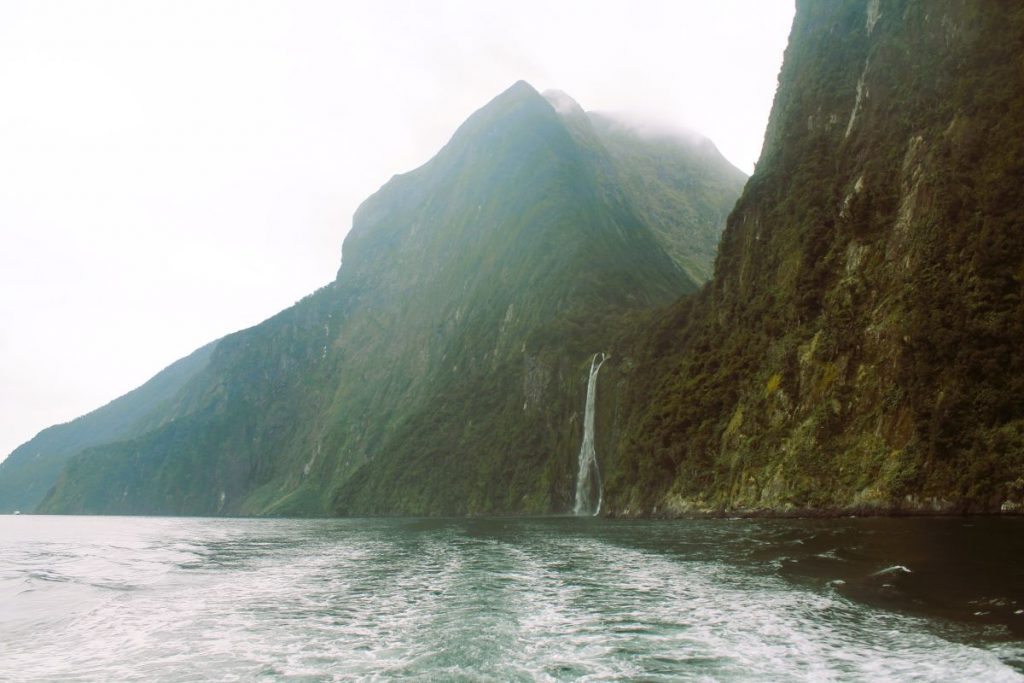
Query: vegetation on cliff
(32,468)
(860,344)
(858,347)
(441,372)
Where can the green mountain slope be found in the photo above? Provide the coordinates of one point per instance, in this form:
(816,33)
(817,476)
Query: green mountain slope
(860,345)
(443,370)
(32,468)
(680,184)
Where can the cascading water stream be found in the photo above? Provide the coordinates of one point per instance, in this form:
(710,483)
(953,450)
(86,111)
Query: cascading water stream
(588,478)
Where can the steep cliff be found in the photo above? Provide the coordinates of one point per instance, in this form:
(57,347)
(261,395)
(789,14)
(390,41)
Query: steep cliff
(861,345)
(443,370)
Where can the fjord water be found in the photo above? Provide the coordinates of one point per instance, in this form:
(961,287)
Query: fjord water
(121,598)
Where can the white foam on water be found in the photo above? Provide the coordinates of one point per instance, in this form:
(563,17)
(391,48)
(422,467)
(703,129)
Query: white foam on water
(191,600)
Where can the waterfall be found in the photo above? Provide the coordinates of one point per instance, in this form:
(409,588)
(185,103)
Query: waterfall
(588,478)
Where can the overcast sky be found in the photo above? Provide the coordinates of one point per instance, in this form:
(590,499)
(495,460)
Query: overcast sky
(174,171)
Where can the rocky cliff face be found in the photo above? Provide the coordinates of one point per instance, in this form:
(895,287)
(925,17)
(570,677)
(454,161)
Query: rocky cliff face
(861,345)
(444,369)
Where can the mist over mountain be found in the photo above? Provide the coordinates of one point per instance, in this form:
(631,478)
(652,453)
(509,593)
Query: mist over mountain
(850,343)
(665,173)
(859,348)
(440,372)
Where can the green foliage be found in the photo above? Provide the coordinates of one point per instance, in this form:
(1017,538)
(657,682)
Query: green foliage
(443,371)
(680,185)
(861,342)
(33,468)
(858,348)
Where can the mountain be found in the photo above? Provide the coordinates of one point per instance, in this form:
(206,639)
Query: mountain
(32,468)
(666,176)
(678,182)
(857,349)
(444,370)
(861,344)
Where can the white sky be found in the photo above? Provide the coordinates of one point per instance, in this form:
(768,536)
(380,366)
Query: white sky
(174,171)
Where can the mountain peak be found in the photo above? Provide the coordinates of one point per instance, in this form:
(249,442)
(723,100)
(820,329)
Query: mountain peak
(520,96)
(563,103)
(522,86)
(473,289)
(519,90)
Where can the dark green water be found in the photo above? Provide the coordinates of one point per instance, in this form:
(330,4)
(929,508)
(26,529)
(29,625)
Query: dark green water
(511,599)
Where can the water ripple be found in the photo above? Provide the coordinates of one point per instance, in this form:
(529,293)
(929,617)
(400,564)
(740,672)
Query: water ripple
(178,599)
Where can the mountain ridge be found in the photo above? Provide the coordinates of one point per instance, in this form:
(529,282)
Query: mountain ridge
(471,289)
(30,470)
(856,351)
